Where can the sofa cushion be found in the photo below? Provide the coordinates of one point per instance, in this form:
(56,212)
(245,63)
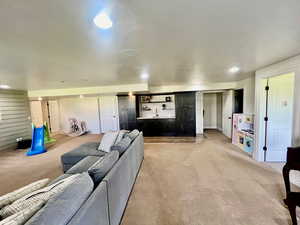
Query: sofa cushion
(43,194)
(107,141)
(83,165)
(17,194)
(60,209)
(23,216)
(133,134)
(87,149)
(103,166)
(121,135)
(122,145)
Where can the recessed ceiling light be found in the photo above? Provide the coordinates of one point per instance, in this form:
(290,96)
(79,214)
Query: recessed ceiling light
(145,76)
(4,86)
(103,21)
(234,69)
(40,98)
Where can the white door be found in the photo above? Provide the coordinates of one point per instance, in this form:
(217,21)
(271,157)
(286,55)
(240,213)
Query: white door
(108,108)
(53,116)
(227,112)
(280,114)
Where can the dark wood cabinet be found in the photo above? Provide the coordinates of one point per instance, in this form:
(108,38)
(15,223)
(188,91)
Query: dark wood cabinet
(185,114)
(127,112)
(157,127)
(183,125)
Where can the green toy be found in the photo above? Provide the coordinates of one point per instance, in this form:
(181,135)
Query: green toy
(47,138)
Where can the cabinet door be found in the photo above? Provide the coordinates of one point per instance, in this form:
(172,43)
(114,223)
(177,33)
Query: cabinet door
(127,112)
(186,114)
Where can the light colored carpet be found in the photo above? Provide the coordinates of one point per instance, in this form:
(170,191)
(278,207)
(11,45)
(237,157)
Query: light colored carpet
(208,182)
(18,170)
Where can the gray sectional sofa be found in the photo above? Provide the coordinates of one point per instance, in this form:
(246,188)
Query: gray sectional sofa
(107,202)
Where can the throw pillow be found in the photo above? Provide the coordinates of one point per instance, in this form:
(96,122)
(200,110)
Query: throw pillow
(43,194)
(121,135)
(83,165)
(21,217)
(107,141)
(103,166)
(60,209)
(133,134)
(15,195)
(122,145)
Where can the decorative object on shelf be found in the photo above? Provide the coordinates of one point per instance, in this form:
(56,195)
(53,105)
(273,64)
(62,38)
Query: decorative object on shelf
(145,99)
(146,108)
(158,107)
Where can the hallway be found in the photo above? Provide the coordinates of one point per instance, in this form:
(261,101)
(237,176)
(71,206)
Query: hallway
(209,182)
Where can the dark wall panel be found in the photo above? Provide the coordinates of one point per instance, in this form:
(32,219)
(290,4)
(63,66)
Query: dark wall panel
(185,114)
(127,112)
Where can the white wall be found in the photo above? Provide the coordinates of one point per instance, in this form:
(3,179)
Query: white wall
(85,109)
(220,111)
(228,97)
(199,113)
(210,111)
(36,113)
(249,94)
(291,65)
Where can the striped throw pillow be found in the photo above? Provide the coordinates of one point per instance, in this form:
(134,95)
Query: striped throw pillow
(17,194)
(33,198)
(23,216)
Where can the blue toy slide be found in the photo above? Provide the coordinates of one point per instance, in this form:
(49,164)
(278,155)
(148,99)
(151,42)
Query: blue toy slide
(37,144)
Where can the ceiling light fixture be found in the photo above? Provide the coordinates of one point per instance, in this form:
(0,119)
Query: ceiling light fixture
(40,98)
(103,21)
(145,76)
(130,94)
(4,86)
(81,96)
(234,69)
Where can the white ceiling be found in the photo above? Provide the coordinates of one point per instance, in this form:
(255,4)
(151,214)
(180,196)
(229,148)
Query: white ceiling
(54,44)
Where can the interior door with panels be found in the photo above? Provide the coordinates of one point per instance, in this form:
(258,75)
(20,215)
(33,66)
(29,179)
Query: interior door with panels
(108,108)
(280,117)
(53,116)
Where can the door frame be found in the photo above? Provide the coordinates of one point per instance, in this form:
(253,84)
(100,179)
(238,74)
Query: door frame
(199,111)
(50,116)
(259,124)
(116,109)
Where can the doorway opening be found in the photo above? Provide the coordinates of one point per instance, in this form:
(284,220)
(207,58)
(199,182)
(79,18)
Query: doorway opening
(213,111)
(217,113)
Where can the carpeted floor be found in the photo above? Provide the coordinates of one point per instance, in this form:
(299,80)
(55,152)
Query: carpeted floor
(206,182)
(17,169)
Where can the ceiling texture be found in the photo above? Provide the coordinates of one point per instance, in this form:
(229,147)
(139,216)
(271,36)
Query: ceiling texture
(46,44)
